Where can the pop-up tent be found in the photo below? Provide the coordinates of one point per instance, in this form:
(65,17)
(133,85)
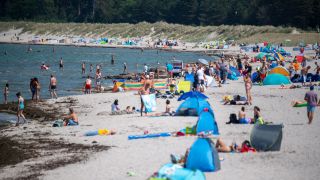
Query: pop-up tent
(279,70)
(192,107)
(176,172)
(266,137)
(276,79)
(206,123)
(203,156)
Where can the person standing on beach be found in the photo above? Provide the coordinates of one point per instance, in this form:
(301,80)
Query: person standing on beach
(144,91)
(61,63)
(6,93)
(53,87)
(145,69)
(83,68)
(312,101)
(87,86)
(248,86)
(36,87)
(239,64)
(20,109)
(304,72)
(124,68)
(98,78)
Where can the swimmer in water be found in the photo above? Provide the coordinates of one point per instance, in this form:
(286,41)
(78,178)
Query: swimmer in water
(61,63)
(83,68)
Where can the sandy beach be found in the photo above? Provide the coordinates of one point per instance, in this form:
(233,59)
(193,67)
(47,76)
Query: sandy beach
(298,158)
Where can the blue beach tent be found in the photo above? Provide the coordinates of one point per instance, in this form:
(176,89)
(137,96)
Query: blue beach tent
(235,70)
(192,107)
(176,172)
(203,156)
(276,79)
(206,123)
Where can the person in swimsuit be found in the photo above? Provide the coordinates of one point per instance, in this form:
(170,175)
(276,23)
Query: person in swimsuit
(83,68)
(144,91)
(257,119)
(37,88)
(168,111)
(32,88)
(71,119)
(98,78)
(6,93)
(87,86)
(248,86)
(61,63)
(20,109)
(242,116)
(53,87)
(91,67)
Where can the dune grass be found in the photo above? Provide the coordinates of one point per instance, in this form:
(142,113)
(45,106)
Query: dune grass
(243,33)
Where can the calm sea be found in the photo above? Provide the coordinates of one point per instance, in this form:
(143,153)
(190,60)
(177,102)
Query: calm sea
(19,65)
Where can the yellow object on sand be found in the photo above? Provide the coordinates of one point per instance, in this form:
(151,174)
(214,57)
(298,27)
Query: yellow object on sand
(103,132)
(227,98)
(279,70)
(184,86)
(116,86)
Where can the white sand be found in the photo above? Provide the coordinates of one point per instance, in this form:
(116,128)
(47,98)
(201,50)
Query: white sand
(299,157)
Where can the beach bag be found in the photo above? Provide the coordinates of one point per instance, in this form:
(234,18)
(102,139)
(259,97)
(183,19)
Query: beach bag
(58,123)
(246,147)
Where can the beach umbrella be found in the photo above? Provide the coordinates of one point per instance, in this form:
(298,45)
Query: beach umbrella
(278,56)
(195,94)
(203,61)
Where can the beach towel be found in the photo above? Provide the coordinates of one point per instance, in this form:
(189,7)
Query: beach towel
(184,86)
(149,102)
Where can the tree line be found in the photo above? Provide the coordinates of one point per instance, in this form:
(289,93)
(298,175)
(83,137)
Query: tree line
(298,13)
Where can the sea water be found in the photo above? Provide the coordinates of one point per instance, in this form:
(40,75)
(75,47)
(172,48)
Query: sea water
(18,65)
(6,118)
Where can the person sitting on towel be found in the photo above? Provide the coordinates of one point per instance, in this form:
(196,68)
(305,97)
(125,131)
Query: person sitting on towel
(71,119)
(257,116)
(168,111)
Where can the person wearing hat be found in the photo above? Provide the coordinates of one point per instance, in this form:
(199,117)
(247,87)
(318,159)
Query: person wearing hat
(312,101)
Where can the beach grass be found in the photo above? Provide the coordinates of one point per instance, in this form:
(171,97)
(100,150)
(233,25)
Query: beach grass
(240,33)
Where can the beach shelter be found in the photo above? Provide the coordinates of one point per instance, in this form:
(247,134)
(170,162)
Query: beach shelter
(261,55)
(177,172)
(299,58)
(278,56)
(192,107)
(195,94)
(235,70)
(203,156)
(276,79)
(266,137)
(189,77)
(206,123)
(279,70)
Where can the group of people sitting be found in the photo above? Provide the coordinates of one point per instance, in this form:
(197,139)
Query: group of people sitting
(243,119)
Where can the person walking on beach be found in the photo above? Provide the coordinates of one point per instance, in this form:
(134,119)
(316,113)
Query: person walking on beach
(312,101)
(20,109)
(124,68)
(304,72)
(239,64)
(248,86)
(83,68)
(61,63)
(87,86)
(6,93)
(53,87)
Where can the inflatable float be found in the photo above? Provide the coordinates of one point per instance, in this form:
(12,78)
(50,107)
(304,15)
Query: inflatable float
(149,136)
(98,132)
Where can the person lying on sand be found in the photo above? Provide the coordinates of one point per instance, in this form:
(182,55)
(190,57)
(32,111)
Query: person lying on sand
(71,119)
(297,103)
(234,101)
